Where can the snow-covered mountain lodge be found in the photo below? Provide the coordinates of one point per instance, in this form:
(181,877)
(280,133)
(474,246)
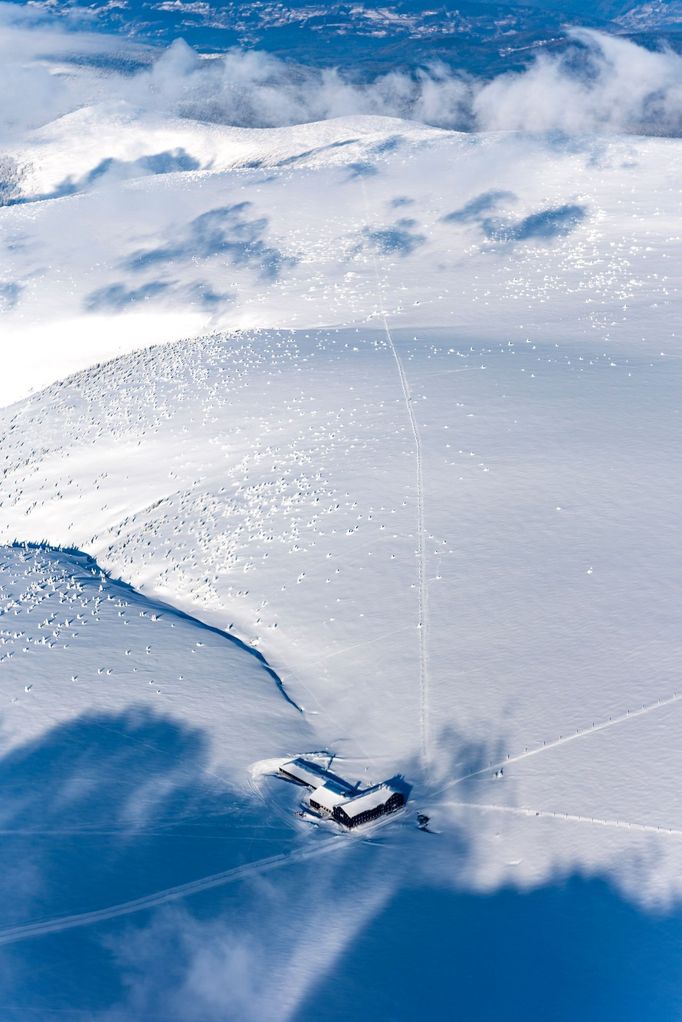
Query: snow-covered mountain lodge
(334,798)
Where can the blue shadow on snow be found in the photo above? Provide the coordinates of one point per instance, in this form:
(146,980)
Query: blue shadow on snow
(99,811)
(473,210)
(565,951)
(400,239)
(544,226)
(225,231)
(111,170)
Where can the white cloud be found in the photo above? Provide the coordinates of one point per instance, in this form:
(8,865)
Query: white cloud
(618,87)
(601,83)
(38,82)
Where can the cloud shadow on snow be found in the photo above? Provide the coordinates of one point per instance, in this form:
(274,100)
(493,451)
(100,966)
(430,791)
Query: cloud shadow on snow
(558,951)
(118,297)
(360,169)
(102,810)
(461,756)
(289,161)
(546,225)
(113,806)
(389,145)
(110,171)
(110,807)
(400,239)
(401,200)
(10,292)
(473,210)
(226,231)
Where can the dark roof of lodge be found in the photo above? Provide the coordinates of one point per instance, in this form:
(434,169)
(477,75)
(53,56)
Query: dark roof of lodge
(368,800)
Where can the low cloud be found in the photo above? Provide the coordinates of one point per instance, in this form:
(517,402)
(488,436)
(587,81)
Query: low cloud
(600,83)
(44,62)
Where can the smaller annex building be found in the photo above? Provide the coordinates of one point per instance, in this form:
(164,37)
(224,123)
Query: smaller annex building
(334,798)
(312,775)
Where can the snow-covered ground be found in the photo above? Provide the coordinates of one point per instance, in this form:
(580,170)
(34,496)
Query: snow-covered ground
(499,236)
(73,643)
(268,485)
(396,408)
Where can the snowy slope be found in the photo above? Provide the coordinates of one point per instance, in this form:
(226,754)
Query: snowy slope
(115,806)
(71,148)
(74,643)
(497,236)
(548,561)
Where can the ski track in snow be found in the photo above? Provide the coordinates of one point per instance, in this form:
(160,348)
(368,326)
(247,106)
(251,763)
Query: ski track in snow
(39,929)
(358,645)
(563,740)
(549,814)
(422,585)
(421,555)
